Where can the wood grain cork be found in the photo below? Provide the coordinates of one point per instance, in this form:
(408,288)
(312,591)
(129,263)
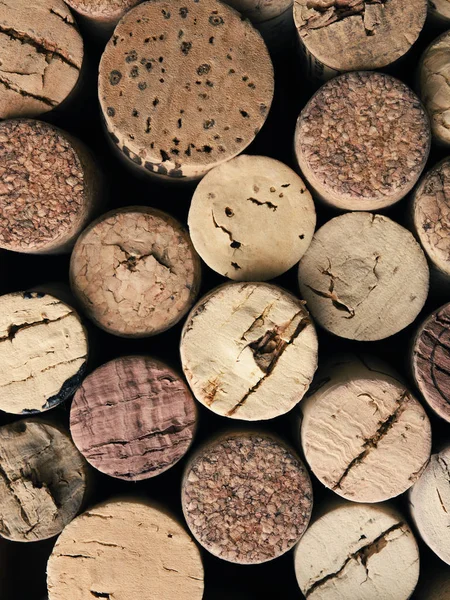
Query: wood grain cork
(133,418)
(184,86)
(104,12)
(125,549)
(135,271)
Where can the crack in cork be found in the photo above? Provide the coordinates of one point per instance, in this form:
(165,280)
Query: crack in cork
(234,243)
(14,329)
(331,295)
(328,12)
(10,86)
(259,203)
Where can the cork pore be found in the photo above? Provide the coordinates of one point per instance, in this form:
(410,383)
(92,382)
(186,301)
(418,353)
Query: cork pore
(42,54)
(102,10)
(247,498)
(184,85)
(362,141)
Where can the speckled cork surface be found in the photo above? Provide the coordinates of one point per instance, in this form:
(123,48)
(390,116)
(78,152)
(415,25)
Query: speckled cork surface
(362,141)
(135,271)
(104,11)
(247,497)
(184,86)
(133,418)
(42,54)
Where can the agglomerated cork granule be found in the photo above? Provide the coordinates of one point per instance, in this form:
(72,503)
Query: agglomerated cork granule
(42,185)
(247,498)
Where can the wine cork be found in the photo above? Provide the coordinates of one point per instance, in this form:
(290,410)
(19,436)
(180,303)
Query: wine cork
(135,271)
(364,277)
(247,497)
(103,13)
(363,433)
(439,13)
(352,35)
(249,351)
(125,549)
(430,504)
(251,219)
(357,551)
(42,481)
(362,141)
(133,418)
(42,54)
(430,361)
(184,86)
(50,188)
(43,352)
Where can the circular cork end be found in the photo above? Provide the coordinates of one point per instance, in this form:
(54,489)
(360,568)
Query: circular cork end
(260,11)
(364,277)
(236,202)
(363,434)
(43,481)
(135,271)
(43,352)
(125,549)
(184,86)
(430,504)
(249,351)
(351,35)
(104,11)
(133,418)
(247,497)
(358,551)
(46,189)
(42,54)
(362,141)
(431,361)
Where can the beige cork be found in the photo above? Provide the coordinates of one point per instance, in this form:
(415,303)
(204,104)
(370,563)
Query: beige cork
(249,351)
(247,497)
(135,271)
(363,433)
(351,35)
(103,12)
(184,86)
(362,141)
(43,352)
(42,481)
(252,218)
(358,551)
(50,187)
(122,550)
(364,277)
(42,54)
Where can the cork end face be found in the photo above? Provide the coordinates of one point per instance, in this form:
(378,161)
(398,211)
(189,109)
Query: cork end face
(103,11)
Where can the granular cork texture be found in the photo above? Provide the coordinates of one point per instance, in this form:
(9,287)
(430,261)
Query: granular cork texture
(184,86)
(102,10)
(42,481)
(125,550)
(358,551)
(363,434)
(430,504)
(259,11)
(135,271)
(252,218)
(362,141)
(42,54)
(133,418)
(364,277)
(431,361)
(247,497)
(249,351)
(351,35)
(43,352)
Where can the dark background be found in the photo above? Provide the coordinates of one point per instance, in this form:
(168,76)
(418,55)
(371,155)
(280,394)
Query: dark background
(22,566)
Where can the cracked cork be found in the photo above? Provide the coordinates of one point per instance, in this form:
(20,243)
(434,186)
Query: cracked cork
(125,549)
(43,352)
(135,271)
(362,433)
(49,190)
(102,11)
(42,481)
(364,277)
(249,351)
(252,218)
(184,86)
(357,551)
(247,497)
(42,54)
(362,141)
(133,418)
